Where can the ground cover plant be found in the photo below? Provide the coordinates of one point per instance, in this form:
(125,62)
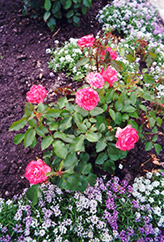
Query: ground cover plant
(108,211)
(128,16)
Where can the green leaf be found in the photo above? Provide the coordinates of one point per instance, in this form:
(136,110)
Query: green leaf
(148,79)
(118,118)
(70,13)
(66,138)
(82,111)
(51,24)
(67,4)
(28,109)
(62,102)
(47,4)
(78,144)
(157,148)
(133,98)
(96,111)
(143,107)
(112,114)
(18,124)
(33,193)
(41,131)
(60,149)
(84,10)
(87,3)
(159,121)
(92,179)
(65,123)
(84,157)
(56,7)
(18,138)
(46,142)
(85,168)
(148,146)
(52,113)
(101,145)
(70,161)
(82,62)
(151,122)
(133,124)
(29,137)
(32,122)
(92,137)
(33,143)
(128,108)
(147,96)
(118,106)
(46,16)
(155,137)
(109,166)
(117,65)
(82,127)
(101,158)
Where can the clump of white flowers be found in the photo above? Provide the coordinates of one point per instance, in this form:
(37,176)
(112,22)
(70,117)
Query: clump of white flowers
(66,57)
(126,16)
(148,191)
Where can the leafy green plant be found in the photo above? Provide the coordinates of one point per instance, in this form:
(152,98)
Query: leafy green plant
(51,10)
(79,133)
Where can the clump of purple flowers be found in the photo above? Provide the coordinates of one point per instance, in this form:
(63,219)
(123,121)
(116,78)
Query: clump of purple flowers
(106,212)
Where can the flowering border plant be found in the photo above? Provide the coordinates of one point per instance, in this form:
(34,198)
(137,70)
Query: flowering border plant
(126,16)
(85,134)
(108,211)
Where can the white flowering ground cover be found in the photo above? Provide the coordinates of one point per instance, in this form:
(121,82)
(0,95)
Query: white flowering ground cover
(112,210)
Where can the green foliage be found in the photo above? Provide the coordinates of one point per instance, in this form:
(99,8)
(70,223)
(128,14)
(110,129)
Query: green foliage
(51,10)
(72,133)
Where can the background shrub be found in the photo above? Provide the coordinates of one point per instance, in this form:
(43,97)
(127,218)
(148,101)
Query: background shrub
(51,10)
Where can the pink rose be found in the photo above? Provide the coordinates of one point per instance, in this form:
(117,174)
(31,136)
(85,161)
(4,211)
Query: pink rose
(87,98)
(95,80)
(113,53)
(127,137)
(86,41)
(36,171)
(36,94)
(109,75)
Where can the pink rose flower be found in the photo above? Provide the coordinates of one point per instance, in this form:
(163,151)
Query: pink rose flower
(36,171)
(95,80)
(86,41)
(109,75)
(113,53)
(87,98)
(127,137)
(36,94)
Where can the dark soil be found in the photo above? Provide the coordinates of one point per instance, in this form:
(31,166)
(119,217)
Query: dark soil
(23,62)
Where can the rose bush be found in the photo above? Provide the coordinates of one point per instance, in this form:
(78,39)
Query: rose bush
(36,171)
(87,132)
